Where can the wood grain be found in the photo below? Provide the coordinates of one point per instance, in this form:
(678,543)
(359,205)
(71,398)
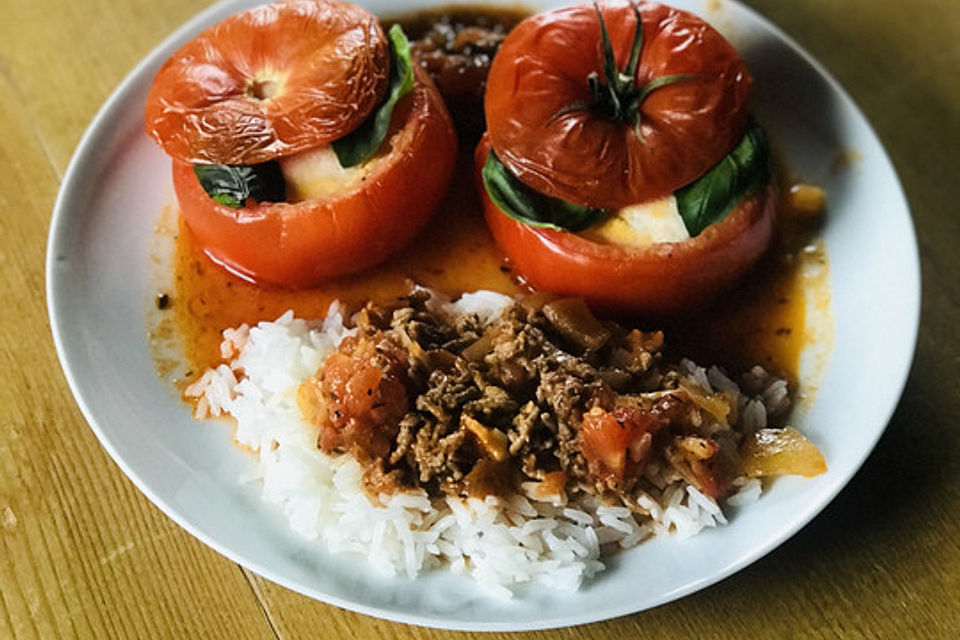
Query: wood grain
(83,554)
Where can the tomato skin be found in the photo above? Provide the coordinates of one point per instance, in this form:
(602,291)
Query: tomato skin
(298,245)
(687,126)
(362,387)
(323,66)
(616,444)
(662,279)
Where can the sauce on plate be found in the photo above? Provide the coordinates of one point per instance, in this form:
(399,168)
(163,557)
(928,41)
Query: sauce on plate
(763,320)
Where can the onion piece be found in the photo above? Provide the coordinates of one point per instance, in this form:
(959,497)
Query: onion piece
(573,320)
(770,452)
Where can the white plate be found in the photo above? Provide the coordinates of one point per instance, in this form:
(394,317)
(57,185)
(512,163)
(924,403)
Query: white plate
(98,286)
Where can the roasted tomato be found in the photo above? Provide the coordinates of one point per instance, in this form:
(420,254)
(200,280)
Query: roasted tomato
(620,163)
(568,124)
(299,244)
(662,278)
(269,82)
(306,144)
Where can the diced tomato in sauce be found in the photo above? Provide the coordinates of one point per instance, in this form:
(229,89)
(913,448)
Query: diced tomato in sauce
(358,397)
(616,444)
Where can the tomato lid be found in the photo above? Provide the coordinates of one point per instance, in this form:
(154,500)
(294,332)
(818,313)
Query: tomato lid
(549,113)
(269,82)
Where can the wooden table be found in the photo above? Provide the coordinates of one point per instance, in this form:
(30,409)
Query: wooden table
(84,554)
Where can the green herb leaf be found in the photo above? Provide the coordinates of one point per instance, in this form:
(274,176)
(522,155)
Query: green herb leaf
(363,142)
(741,173)
(523,204)
(232,185)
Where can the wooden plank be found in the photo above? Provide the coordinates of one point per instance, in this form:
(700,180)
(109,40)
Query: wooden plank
(67,57)
(82,552)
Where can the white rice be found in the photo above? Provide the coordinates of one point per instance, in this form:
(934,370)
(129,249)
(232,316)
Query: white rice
(502,543)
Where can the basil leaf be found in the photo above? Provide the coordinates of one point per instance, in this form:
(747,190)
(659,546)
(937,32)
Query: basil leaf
(364,141)
(232,185)
(741,173)
(523,204)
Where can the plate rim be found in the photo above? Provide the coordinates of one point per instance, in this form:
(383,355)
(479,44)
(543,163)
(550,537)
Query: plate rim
(98,129)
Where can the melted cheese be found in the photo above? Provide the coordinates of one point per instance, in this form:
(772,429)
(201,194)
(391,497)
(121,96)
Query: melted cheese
(317,174)
(641,224)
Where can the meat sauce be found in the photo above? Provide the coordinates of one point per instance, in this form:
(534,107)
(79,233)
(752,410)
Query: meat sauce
(456,46)
(763,320)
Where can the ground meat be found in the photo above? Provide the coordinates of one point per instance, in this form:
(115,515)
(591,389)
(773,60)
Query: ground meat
(446,403)
(435,454)
(517,349)
(524,423)
(447,392)
(565,398)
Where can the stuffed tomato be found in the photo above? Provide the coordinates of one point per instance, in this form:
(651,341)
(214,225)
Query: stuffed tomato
(305,143)
(620,162)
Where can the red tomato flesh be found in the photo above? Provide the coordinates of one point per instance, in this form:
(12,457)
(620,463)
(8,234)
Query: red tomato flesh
(362,389)
(300,244)
(616,444)
(661,279)
(687,126)
(269,82)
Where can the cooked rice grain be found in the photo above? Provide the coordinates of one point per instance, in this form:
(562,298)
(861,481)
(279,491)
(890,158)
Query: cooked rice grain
(502,543)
